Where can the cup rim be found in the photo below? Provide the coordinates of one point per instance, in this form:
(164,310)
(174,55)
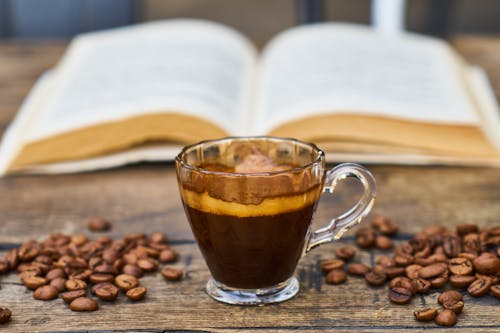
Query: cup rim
(184,164)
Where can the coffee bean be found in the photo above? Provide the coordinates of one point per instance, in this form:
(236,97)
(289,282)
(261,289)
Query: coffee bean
(55,273)
(403,260)
(439,281)
(464,229)
(431,271)
(375,279)
(12,259)
(383,242)
(83,304)
(379,269)
(470,256)
(110,255)
(479,288)
(126,281)
(392,272)
(132,270)
(365,237)
(106,291)
(358,269)
(5,315)
(385,226)
(451,246)
(167,256)
(399,295)
(45,293)
(4,266)
(422,285)
(412,271)
(345,252)
(101,277)
(487,263)
(328,265)
(495,290)
(158,237)
(449,297)
(148,265)
(460,266)
(446,317)
(385,261)
(136,294)
(336,276)
(69,296)
(98,224)
(461,281)
(171,274)
(59,283)
(34,282)
(425,314)
(75,284)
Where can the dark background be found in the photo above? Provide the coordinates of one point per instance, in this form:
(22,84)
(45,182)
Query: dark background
(259,19)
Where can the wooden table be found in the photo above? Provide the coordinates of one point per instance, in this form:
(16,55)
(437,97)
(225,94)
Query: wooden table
(144,198)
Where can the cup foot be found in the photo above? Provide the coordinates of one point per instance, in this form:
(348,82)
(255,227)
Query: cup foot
(279,293)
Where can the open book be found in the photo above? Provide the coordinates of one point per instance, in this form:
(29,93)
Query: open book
(139,93)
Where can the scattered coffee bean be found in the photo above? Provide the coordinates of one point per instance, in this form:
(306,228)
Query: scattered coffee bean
(148,265)
(336,276)
(392,272)
(495,290)
(375,279)
(412,271)
(132,270)
(158,237)
(399,295)
(425,314)
(460,266)
(101,277)
(106,291)
(59,283)
(34,282)
(167,256)
(385,226)
(83,304)
(136,294)
(70,296)
(75,284)
(479,287)
(5,315)
(99,224)
(358,269)
(446,317)
(328,265)
(451,299)
(126,281)
(464,229)
(171,274)
(383,242)
(55,273)
(487,263)
(345,252)
(45,293)
(431,271)
(365,237)
(422,285)
(461,281)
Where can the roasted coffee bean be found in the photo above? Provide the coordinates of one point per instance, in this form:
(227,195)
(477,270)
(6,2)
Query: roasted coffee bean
(28,251)
(98,224)
(466,255)
(460,266)
(105,269)
(412,271)
(425,314)
(83,304)
(385,261)
(59,283)
(383,242)
(5,315)
(336,276)
(403,249)
(110,255)
(148,265)
(464,229)
(479,287)
(55,273)
(471,243)
(432,271)
(34,282)
(358,269)
(449,296)
(392,272)
(75,284)
(403,260)
(82,275)
(385,226)
(79,239)
(461,281)
(132,270)
(130,258)
(487,263)
(432,259)
(328,265)
(126,281)
(167,256)
(12,259)
(365,237)
(158,237)
(345,252)
(375,279)
(446,317)
(4,266)
(379,269)
(106,291)
(399,295)
(136,294)
(456,307)
(439,281)
(172,274)
(495,290)
(69,296)
(45,293)
(100,277)
(451,246)
(422,285)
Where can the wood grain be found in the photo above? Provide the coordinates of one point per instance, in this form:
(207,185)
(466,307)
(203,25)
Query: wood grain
(144,198)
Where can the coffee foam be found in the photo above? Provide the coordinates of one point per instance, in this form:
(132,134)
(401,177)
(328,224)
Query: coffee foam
(268,206)
(257,162)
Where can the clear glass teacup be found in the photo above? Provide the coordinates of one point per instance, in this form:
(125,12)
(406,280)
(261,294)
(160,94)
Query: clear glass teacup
(250,202)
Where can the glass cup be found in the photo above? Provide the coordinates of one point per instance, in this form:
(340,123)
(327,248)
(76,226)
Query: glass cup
(250,202)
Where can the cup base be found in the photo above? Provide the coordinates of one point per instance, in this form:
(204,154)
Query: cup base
(278,293)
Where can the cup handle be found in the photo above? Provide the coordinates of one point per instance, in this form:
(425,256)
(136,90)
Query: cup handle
(339,225)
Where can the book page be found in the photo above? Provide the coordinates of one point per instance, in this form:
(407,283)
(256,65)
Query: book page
(185,66)
(349,69)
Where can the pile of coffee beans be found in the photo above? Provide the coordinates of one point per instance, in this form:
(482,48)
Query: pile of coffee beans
(467,258)
(70,266)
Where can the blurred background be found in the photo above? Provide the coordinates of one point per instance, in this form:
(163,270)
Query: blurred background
(258,19)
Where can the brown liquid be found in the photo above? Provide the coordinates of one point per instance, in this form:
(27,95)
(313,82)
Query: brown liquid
(251,252)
